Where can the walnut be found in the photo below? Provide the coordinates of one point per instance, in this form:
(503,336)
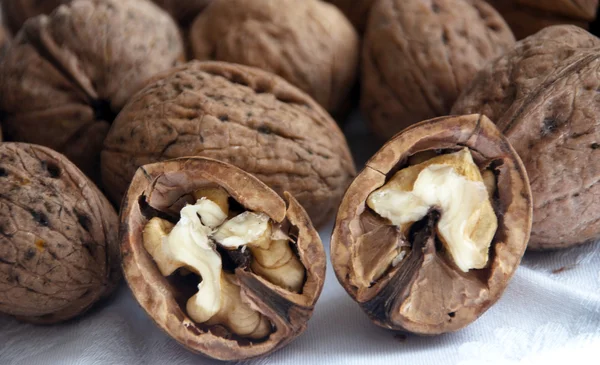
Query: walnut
(183,11)
(576,9)
(63,89)
(418,56)
(357,11)
(237,114)
(525,20)
(543,96)
(309,43)
(431,231)
(225,224)
(58,237)
(16,12)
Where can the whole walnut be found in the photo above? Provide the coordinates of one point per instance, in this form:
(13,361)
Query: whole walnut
(417,58)
(238,114)
(357,11)
(543,95)
(16,12)
(524,19)
(184,11)
(62,89)
(59,252)
(309,43)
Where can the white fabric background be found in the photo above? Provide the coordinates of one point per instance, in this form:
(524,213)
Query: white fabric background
(550,314)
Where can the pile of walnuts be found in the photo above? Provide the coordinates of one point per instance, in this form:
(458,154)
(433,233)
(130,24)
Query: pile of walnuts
(207,126)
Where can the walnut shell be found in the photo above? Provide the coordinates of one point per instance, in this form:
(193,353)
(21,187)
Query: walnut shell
(237,114)
(183,11)
(426,293)
(576,9)
(357,11)
(62,89)
(543,96)
(16,12)
(309,43)
(417,58)
(58,237)
(525,21)
(160,186)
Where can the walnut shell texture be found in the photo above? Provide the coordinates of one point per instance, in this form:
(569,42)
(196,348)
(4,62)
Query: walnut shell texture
(59,249)
(357,11)
(543,96)
(62,88)
(184,11)
(237,114)
(16,12)
(419,55)
(160,186)
(525,21)
(309,43)
(426,293)
(576,9)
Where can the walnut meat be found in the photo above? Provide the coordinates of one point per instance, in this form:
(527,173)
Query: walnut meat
(62,89)
(16,12)
(58,237)
(309,43)
(254,266)
(237,114)
(431,231)
(543,96)
(357,11)
(525,20)
(418,56)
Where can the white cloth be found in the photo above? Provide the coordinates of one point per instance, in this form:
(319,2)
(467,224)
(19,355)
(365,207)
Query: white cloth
(550,314)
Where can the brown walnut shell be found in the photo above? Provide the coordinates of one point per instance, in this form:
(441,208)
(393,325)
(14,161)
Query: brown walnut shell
(62,88)
(418,56)
(357,11)
(426,293)
(309,43)
(576,9)
(543,95)
(161,186)
(184,11)
(525,21)
(16,12)
(237,114)
(59,250)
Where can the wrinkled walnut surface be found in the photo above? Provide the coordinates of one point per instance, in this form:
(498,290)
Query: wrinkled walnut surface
(184,11)
(62,89)
(417,58)
(578,9)
(162,187)
(357,11)
(543,95)
(525,21)
(58,237)
(16,12)
(241,115)
(426,293)
(309,43)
